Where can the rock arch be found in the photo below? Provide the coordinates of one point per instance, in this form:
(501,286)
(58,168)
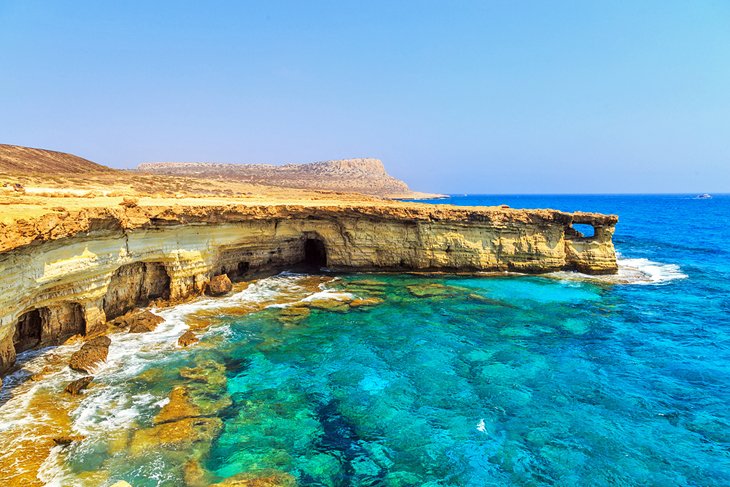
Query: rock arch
(583,230)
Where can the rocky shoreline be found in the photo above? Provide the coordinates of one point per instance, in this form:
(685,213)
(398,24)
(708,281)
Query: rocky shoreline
(68,273)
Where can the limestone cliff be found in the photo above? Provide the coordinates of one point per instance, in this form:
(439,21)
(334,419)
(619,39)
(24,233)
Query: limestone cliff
(69,272)
(367,176)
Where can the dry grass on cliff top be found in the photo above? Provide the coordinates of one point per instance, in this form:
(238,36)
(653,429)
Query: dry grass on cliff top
(27,196)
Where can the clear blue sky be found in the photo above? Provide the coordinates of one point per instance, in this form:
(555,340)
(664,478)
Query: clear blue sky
(454,96)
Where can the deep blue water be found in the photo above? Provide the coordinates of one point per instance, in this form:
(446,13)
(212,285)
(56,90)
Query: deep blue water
(519,380)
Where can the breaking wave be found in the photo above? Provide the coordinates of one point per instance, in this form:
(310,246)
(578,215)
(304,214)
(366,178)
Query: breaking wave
(110,407)
(637,271)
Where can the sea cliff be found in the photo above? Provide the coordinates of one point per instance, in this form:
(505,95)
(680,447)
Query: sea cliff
(68,272)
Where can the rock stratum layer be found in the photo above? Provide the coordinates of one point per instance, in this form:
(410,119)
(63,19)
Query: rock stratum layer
(69,272)
(366,176)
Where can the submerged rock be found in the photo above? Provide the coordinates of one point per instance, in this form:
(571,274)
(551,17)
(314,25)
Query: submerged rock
(207,388)
(207,371)
(175,435)
(90,354)
(432,290)
(178,408)
(329,305)
(78,385)
(219,285)
(264,478)
(186,339)
(294,314)
(359,302)
(372,283)
(195,475)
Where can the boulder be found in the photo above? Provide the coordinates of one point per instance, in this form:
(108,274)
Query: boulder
(74,388)
(90,354)
(186,339)
(138,321)
(219,285)
(67,440)
(144,322)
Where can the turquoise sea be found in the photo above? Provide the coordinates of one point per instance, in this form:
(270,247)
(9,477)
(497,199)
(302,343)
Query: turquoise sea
(445,381)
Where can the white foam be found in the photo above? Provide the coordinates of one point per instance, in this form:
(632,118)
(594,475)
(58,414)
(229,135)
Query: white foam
(110,407)
(652,272)
(129,354)
(638,271)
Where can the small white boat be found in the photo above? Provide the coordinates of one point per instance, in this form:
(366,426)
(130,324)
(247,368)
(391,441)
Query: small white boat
(703,196)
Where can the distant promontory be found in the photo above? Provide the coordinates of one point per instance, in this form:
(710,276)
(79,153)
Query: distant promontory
(366,176)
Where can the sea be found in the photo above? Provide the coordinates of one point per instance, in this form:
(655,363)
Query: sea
(409,380)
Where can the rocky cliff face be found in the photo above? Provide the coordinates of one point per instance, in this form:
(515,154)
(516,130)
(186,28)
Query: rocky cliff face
(367,176)
(65,273)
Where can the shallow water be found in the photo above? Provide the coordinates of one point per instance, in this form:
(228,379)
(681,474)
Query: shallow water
(514,380)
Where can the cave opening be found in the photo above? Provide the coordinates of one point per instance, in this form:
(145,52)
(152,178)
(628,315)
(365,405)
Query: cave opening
(28,331)
(134,285)
(315,253)
(238,272)
(77,321)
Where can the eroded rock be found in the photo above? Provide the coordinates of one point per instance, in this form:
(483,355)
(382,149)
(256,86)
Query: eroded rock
(138,321)
(186,339)
(74,388)
(90,354)
(219,285)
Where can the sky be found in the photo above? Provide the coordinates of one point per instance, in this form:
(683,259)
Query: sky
(454,96)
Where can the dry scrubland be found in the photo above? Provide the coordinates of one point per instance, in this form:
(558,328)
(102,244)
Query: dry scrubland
(34,182)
